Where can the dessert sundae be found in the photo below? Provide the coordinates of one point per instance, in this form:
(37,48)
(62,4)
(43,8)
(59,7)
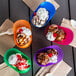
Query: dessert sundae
(54,33)
(23,36)
(17,61)
(22,33)
(46,57)
(40,17)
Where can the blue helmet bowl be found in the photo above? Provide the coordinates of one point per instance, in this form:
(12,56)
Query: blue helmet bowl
(49,7)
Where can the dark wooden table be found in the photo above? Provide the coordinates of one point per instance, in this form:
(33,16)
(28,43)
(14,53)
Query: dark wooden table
(16,9)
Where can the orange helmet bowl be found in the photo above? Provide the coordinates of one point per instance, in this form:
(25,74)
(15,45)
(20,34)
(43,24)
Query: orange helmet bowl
(18,24)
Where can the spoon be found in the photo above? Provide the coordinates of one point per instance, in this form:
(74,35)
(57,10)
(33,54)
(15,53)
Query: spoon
(9,32)
(73,23)
(53,69)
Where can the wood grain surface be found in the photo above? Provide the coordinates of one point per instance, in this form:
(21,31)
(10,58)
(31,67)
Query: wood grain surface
(16,9)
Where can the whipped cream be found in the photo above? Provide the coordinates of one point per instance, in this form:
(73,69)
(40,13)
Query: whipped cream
(53,59)
(12,59)
(26,31)
(40,17)
(43,14)
(50,36)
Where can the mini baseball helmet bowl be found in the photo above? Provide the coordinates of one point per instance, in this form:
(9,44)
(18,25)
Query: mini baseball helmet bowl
(49,7)
(18,24)
(11,51)
(59,50)
(68,37)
